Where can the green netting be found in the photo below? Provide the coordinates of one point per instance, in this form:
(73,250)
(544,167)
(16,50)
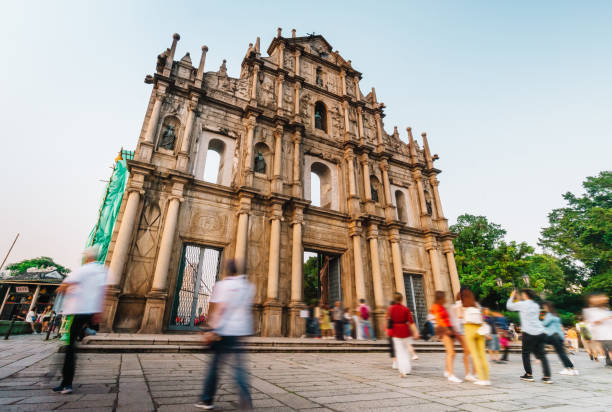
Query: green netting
(109,209)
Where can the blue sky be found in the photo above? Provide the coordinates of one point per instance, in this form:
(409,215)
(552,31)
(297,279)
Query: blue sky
(515,96)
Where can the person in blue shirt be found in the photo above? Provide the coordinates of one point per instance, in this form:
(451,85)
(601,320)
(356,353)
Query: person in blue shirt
(556,337)
(534,334)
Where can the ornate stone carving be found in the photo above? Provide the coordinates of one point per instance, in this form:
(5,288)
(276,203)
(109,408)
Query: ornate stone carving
(266,95)
(288,61)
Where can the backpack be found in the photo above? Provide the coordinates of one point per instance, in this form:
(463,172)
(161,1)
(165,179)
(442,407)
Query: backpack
(365,313)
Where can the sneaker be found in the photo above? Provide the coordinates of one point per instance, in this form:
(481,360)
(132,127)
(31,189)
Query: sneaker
(446,374)
(204,405)
(483,383)
(547,380)
(567,371)
(67,390)
(58,388)
(576,373)
(527,378)
(471,378)
(454,379)
(415,357)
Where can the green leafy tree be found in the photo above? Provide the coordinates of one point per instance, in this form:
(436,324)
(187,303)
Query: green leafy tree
(39,262)
(581,233)
(311,279)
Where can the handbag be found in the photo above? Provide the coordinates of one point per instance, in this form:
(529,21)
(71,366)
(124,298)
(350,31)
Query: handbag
(484,329)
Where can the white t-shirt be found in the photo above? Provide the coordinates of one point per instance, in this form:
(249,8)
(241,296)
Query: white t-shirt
(31,316)
(86,294)
(603,330)
(236,294)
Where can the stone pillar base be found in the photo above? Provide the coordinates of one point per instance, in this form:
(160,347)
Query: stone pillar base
(145,151)
(380,323)
(182,161)
(297,325)
(111,302)
(153,318)
(272,319)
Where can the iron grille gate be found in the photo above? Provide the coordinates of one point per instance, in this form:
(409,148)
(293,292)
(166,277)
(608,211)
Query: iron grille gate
(199,270)
(415,297)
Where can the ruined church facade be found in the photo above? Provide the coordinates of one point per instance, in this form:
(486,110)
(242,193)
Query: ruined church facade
(289,157)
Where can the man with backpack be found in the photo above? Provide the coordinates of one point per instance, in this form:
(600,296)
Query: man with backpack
(366,324)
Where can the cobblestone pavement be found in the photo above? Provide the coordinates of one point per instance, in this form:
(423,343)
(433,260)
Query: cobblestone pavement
(284,382)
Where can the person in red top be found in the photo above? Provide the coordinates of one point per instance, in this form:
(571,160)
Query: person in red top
(445,332)
(402,327)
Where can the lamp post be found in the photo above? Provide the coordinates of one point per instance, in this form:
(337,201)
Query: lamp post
(499,283)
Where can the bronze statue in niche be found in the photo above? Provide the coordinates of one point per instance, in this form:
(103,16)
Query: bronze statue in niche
(168,138)
(260,163)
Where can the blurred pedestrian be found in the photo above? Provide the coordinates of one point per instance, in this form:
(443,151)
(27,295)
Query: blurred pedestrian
(599,318)
(389,330)
(572,338)
(366,324)
(445,333)
(585,336)
(31,319)
(230,316)
(534,334)
(402,327)
(45,317)
(492,340)
(473,324)
(338,317)
(347,323)
(555,337)
(83,299)
(325,321)
(357,322)
(456,318)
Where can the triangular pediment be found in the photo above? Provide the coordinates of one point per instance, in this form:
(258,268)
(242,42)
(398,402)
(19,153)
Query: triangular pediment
(316,43)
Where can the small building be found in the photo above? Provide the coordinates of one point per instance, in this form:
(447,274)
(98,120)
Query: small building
(34,289)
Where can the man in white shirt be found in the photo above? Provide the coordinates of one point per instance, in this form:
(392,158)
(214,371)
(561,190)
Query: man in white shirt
(599,318)
(83,298)
(230,315)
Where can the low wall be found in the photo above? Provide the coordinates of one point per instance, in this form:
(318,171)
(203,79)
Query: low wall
(19,328)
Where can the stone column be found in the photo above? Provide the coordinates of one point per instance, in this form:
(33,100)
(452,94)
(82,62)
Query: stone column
(279,94)
(277,178)
(353,199)
(360,124)
(343,82)
(296,100)
(249,123)
(281,55)
(242,233)
(389,208)
(430,246)
(35,298)
(156,298)
(254,84)
(366,183)
(379,298)
(183,156)
(120,252)
(272,318)
(357,91)
(200,74)
(378,130)
(8,293)
(355,233)
(347,123)
(297,176)
(146,146)
(296,324)
(425,218)
(449,251)
(297,62)
(398,271)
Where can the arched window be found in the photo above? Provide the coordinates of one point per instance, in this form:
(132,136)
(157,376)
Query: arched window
(262,159)
(400,203)
(214,161)
(315,189)
(323,176)
(320,116)
(375,189)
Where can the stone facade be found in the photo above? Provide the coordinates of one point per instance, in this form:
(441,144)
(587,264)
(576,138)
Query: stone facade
(301,108)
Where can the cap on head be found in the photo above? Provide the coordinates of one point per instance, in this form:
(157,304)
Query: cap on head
(91,253)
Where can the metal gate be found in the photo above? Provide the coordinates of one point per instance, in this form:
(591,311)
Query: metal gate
(415,297)
(199,270)
(334,281)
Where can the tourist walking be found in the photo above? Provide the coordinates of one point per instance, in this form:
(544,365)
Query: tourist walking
(366,324)
(475,331)
(338,317)
(599,318)
(585,337)
(556,337)
(493,337)
(534,334)
(83,299)
(389,330)
(357,321)
(230,316)
(445,333)
(347,324)
(456,318)
(325,321)
(402,327)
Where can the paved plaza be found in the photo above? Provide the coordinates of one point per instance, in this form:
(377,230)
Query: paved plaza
(285,382)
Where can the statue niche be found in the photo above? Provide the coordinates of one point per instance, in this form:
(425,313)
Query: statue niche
(169,132)
(260,163)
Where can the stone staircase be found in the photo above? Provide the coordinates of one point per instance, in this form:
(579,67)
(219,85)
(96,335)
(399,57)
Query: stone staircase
(191,343)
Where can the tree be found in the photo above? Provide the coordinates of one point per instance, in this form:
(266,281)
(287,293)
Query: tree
(581,233)
(39,262)
(311,279)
